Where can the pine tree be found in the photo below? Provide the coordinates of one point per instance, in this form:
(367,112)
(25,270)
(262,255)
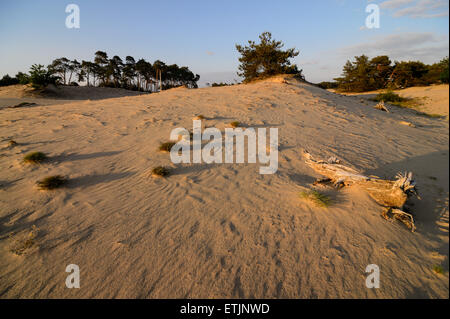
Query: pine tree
(266,59)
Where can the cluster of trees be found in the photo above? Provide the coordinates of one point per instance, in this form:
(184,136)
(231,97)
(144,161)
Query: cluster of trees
(108,72)
(364,74)
(266,59)
(38,76)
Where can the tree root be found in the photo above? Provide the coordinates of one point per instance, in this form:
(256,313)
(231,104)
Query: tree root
(387,193)
(390,213)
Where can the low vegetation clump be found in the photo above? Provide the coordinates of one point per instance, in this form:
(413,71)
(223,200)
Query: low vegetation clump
(438,269)
(316,197)
(21,245)
(395,99)
(199,117)
(166,147)
(35,157)
(235,124)
(7,80)
(12,143)
(326,85)
(160,171)
(390,97)
(51,182)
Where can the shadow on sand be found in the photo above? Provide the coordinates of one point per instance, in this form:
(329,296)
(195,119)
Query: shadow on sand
(78,157)
(431,173)
(90,180)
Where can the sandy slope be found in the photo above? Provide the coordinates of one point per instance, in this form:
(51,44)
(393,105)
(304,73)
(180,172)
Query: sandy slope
(219,230)
(432,99)
(14,94)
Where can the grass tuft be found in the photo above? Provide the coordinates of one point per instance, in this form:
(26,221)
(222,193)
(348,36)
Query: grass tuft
(35,157)
(166,147)
(316,197)
(51,182)
(438,269)
(199,117)
(12,143)
(160,171)
(235,124)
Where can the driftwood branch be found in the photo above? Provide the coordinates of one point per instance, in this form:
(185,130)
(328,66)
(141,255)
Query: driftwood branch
(390,194)
(382,107)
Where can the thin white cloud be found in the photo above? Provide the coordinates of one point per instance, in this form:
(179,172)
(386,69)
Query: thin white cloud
(393,4)
(417,8)
(426,46)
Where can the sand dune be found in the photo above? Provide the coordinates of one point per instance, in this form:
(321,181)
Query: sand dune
(219,230)
(15,94)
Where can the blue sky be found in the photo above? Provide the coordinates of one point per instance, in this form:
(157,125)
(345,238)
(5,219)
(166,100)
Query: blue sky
(203,34)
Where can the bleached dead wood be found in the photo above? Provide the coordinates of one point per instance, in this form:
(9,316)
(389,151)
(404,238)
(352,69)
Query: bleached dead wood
(381,106)
(390,194)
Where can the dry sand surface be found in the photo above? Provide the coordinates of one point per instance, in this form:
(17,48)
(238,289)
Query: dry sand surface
(219,230)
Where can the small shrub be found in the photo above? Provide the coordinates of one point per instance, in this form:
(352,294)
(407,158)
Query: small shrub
(7,80)
(160,171)
(199,117)
(166,147)
(397,100)
(316,197)
(438,269)
(41,77)
(235,124)
(21,245)
(327,85)
(23,78)
(390,97)
(51,182)
(35,157)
